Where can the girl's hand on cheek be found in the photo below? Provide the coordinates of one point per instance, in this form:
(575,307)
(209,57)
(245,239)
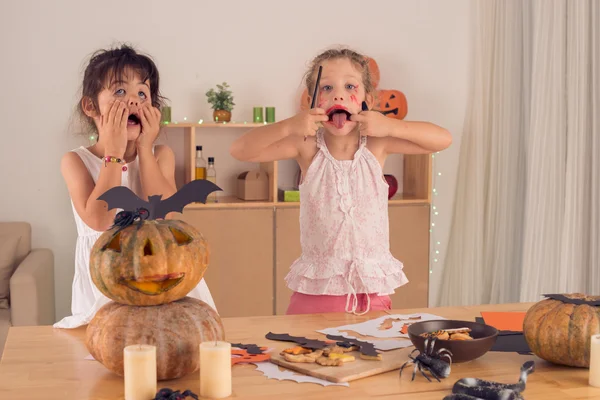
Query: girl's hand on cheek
(372,123)
(150,120)
(308,122)
(112,125)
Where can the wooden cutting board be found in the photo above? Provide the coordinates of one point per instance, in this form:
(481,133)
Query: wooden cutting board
(392,360)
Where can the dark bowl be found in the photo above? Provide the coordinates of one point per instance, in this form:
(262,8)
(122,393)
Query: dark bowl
(484,337)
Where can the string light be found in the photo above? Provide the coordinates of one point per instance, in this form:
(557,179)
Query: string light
(434,213)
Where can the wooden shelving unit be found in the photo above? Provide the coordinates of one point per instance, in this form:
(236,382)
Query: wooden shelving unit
(416,177)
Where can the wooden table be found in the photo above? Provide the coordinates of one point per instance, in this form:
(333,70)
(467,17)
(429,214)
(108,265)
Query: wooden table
(46,363)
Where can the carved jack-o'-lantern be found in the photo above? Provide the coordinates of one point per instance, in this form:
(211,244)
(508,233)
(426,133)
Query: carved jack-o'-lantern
(392,103)
(149,263)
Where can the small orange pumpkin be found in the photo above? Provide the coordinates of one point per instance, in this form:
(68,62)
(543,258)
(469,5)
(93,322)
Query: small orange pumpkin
(558,329)
(149,263)
(392,103)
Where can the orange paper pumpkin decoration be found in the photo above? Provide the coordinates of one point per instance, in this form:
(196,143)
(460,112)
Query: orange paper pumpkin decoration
(392,103)
(375,75)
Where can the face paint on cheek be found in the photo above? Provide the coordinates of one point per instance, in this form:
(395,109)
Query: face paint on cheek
(321,100)
(353,99)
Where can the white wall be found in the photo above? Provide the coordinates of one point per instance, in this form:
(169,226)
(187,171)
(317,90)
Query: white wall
(259,48)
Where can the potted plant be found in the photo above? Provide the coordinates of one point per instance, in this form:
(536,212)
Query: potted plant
(222,102)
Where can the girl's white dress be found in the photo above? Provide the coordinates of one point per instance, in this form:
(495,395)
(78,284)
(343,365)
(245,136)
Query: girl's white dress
(86,298)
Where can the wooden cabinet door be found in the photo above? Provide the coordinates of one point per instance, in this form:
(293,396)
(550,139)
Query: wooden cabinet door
(287,250)
(240,273)
(409,243)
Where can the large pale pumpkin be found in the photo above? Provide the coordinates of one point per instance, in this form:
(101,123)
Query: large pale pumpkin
(176,329)
(149,263)
(558,329)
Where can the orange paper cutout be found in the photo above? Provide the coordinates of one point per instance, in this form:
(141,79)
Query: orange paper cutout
(504,321)
(245,357)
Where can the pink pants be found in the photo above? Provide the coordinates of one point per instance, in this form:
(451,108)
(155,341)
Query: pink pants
(301,303)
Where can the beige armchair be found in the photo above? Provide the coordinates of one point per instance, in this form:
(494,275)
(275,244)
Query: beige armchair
(26,280)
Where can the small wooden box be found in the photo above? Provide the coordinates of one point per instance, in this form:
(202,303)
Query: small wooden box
(253,185)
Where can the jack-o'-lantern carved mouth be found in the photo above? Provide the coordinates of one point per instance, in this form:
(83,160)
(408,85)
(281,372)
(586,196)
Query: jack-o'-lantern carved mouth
(154,285)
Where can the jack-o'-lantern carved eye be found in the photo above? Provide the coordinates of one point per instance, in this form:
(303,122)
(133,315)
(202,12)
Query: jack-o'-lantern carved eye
(148,248)
(180,237)
(114,244)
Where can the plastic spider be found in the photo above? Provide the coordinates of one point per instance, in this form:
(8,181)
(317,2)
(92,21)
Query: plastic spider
(430,362)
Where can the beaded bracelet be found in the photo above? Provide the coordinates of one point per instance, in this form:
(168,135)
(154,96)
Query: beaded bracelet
(110,159)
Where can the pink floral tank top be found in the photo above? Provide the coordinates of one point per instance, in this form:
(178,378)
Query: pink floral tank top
(344,228)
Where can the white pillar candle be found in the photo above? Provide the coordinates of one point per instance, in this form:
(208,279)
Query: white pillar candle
(140,372)
(595,361)
(215,369)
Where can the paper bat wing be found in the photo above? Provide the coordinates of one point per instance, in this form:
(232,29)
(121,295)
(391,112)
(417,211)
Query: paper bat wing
(195,191)
(122,197)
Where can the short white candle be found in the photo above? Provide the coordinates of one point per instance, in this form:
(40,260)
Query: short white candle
(215,369)
(140,372)
(595,361)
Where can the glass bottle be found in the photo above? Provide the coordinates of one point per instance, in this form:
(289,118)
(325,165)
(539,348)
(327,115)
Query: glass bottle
(211,175)
(200,164)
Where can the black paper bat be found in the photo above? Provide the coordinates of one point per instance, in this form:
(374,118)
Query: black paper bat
(250,348)
(366,348)
(578,301)
(301,341)
(123,197)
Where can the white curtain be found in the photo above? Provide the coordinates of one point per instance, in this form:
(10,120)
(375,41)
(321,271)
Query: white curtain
(526,218)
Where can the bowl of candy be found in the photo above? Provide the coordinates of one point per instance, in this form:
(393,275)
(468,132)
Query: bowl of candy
(466,340)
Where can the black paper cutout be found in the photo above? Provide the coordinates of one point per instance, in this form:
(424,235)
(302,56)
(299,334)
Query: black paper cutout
(564,299)
(366,348)
(250,348)
(195,191)
(509,341)
(301,341)
(364,106)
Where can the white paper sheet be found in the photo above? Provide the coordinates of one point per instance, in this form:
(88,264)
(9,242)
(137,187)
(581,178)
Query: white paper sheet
(272,371)
(371,327)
